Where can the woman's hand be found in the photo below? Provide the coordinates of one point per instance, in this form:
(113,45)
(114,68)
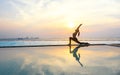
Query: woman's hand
(80,24)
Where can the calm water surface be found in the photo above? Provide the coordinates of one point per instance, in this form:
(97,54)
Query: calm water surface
(92,60)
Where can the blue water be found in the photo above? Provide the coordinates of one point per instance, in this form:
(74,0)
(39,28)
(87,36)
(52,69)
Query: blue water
(30,43)
(24,43)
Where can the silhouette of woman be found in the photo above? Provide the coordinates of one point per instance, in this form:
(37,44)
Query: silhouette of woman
(74,38)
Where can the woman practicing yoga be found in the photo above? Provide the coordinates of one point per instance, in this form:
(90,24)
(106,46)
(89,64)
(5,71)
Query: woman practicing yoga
(74,38)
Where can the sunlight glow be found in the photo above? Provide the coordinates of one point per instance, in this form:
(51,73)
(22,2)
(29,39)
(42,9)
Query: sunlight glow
(71,25)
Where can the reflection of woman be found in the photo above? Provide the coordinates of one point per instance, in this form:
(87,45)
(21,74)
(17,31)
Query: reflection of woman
(75,55)
(74,38)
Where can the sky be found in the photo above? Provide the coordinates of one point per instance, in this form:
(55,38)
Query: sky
(59,18)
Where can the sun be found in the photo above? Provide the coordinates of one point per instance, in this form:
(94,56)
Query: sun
(71,25)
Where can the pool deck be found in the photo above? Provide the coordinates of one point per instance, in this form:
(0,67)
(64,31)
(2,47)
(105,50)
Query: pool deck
(115,45)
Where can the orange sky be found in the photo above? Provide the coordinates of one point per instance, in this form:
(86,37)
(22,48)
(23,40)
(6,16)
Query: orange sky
(52,18)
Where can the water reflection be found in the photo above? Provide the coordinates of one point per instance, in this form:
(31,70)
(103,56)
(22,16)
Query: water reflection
(75,55)
(96,60)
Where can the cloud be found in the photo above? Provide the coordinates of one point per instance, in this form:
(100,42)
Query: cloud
(116,16)
(13,67)
(32,12)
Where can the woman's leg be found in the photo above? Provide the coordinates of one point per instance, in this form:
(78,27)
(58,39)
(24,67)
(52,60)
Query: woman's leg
(70,38)
(76,40)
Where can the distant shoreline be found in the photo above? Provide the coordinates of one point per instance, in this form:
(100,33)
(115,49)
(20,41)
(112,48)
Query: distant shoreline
(57,39)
